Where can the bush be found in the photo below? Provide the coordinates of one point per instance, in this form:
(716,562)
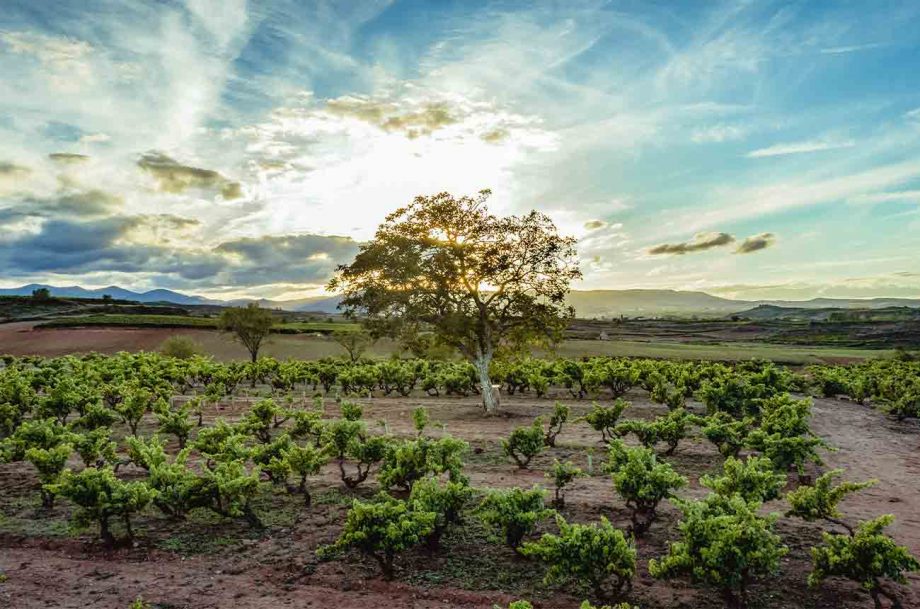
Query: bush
(562,474)
(406,462)
(304,460)
(724,544)
(866,557)
(556,421)
(445,499)
(604,418)
(596,554)
(819,501)
(524,443)
(175,421)
(180,347)
(49,462)
(514,512)
(728,434)
(95,447)
(754,479)
(101,496)
(642,481)
(382,529)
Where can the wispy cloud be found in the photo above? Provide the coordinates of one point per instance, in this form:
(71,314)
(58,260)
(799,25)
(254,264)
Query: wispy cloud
(852,48)
(799,148)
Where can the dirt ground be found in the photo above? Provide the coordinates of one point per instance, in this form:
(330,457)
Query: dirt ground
(23,338)
(207,562)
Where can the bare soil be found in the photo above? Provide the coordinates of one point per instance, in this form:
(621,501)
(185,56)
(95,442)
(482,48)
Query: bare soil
(207,562)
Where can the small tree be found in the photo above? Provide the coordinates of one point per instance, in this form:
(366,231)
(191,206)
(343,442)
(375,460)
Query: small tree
(250,325)
(604,418)
(724,544)
(524,443)
(382,529)
(477,281)
(354,342)
(556,421)
(41,294)
(514,512)
(408,461)
(755,479)
(134,405)
(562,474)
(642,481)
(101,497)
(596,554)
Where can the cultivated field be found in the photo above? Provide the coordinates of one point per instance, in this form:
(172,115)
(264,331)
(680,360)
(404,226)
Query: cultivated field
(25,338)
(208,560)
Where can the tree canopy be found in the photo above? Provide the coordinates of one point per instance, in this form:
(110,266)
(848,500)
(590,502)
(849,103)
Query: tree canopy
(251,324)
(478,281)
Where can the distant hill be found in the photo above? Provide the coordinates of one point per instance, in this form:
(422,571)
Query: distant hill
(587,303)
(113,291)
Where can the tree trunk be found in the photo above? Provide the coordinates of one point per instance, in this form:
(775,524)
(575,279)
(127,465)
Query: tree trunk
(489,393)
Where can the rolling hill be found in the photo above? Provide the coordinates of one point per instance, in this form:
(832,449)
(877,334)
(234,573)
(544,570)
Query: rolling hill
(587,303)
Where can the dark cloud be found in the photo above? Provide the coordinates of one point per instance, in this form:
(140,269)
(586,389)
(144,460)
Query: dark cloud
(82,204)
(68,158)
(701,242)
(174,177)
(756,243)
(286,258)
(594,224)
(495,136)
(12,170)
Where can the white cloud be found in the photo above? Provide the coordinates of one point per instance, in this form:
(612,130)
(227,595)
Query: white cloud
(800,148)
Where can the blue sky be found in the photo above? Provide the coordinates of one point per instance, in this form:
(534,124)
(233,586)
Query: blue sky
(748,149)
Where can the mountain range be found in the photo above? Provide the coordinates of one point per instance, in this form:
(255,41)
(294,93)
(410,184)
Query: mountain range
(587,303)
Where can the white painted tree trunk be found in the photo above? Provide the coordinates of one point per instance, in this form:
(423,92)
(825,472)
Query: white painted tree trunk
(489,393)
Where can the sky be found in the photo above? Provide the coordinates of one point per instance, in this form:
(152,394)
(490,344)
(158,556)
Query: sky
(749,149)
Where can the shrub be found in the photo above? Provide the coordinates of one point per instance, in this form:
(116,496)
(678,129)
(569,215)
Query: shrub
(445,499)
(556,421)
(596,554)
(180,347)
(420,419)
(228,489)
(642,481)
(724,544)
(819,501)
(352,411)
(866,557)
(262,418)
(604,418)
(50,463)
(524,443)
(134,404)
(40,433)
(95,447)
(175,421)
(406,462)
(304,461)
(673,427)
(382,529)
(562,475)
(728,434)
(754,479)
(101,496)
(514,512)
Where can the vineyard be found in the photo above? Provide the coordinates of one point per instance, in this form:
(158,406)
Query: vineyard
(599,482)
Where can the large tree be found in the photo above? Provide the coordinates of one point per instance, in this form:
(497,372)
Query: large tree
(480,282)
(250,324)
